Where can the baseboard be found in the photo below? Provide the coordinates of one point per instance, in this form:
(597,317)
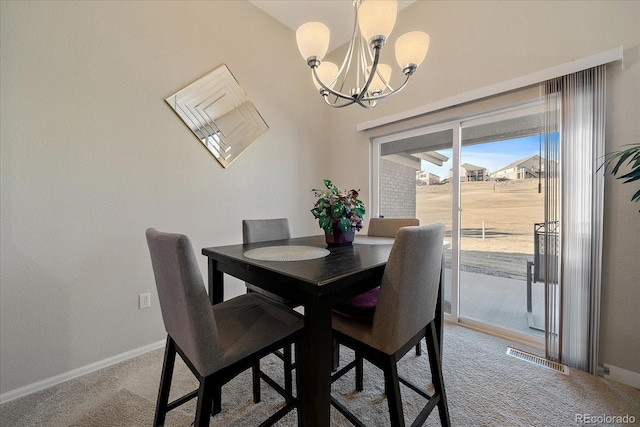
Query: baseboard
(621,375)
(75,373)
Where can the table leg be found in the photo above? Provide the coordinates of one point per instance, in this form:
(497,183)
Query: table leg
(316,363)
(216,283)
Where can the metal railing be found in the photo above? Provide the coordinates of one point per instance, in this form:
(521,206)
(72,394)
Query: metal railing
(536,269)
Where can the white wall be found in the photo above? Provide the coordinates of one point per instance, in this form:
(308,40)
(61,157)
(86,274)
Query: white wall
(479,43)
(92,156)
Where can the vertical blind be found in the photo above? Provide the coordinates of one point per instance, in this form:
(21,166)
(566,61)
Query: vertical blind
(574,146)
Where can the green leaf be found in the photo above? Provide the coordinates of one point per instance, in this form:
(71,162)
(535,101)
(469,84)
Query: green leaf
(630,156)
(634,175)
(345,225)
(321,204)
(328,184)
(338,210)
(324,222)
(624,155)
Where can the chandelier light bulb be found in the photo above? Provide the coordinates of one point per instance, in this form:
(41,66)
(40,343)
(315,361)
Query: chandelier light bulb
(377,18)
(411,49)
(313,40)
(377,84)
(327,72)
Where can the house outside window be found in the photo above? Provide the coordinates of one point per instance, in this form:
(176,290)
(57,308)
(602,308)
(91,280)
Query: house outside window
(469,173)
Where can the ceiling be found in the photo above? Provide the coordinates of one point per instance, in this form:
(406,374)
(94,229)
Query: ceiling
(336,14)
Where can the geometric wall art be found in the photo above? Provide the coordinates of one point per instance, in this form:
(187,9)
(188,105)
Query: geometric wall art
(220,114)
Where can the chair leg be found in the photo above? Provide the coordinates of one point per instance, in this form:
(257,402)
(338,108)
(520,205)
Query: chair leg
(297,349)
(165,383)
(435,362)
(288,366)
(419,349)
(392,388)
(206,393)
(359,372)
(216,408)
(255,371)
(336,355)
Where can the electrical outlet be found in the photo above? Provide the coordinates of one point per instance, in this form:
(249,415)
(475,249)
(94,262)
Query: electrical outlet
(144,300)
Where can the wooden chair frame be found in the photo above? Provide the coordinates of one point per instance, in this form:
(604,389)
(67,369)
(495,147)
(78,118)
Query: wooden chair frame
(388,364)
(209,392)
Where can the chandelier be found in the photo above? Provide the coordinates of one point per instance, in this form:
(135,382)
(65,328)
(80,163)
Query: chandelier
(361,69)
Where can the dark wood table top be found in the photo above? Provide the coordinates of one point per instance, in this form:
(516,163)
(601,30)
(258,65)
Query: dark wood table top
(332,274)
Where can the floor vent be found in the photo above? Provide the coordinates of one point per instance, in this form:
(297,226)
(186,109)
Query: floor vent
(537,360)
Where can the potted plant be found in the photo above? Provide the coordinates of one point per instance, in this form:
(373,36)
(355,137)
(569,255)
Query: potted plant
(631,156)
(339,213)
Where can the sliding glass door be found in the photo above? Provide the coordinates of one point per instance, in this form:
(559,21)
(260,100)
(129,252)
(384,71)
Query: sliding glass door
(482,177)
(502,207)
(412,181)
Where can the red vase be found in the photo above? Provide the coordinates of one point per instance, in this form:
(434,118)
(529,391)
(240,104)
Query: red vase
(338,238)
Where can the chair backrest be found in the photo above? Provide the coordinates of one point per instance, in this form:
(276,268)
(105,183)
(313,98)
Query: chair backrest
(388,227)
(186,310)
(262,230)
(409,287)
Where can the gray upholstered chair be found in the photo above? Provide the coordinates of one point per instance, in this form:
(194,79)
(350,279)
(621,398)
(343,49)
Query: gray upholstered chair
(362,306)
(262,230)
(388,227)
(405,313)
(217,342)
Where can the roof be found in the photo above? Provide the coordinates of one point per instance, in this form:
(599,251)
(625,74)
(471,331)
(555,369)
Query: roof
(470,167)
(519,162)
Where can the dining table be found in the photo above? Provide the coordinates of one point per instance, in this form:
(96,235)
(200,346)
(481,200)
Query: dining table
(308,273)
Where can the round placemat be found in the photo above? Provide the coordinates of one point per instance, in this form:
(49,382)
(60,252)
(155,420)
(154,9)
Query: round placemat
(286,253)
(371,240)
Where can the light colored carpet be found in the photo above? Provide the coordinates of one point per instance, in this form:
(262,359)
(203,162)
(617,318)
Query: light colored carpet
(485,387)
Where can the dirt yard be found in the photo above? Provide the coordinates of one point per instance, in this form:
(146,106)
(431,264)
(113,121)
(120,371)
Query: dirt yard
(509,210)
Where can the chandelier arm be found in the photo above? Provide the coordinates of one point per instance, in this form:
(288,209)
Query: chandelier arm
(371,104)
(361,63)
(386,83)
(346,62)
(356,38)
(346,104)
(384,95)
(360,98)
(335,103)
(372,74)
(343,71)
(326,89)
